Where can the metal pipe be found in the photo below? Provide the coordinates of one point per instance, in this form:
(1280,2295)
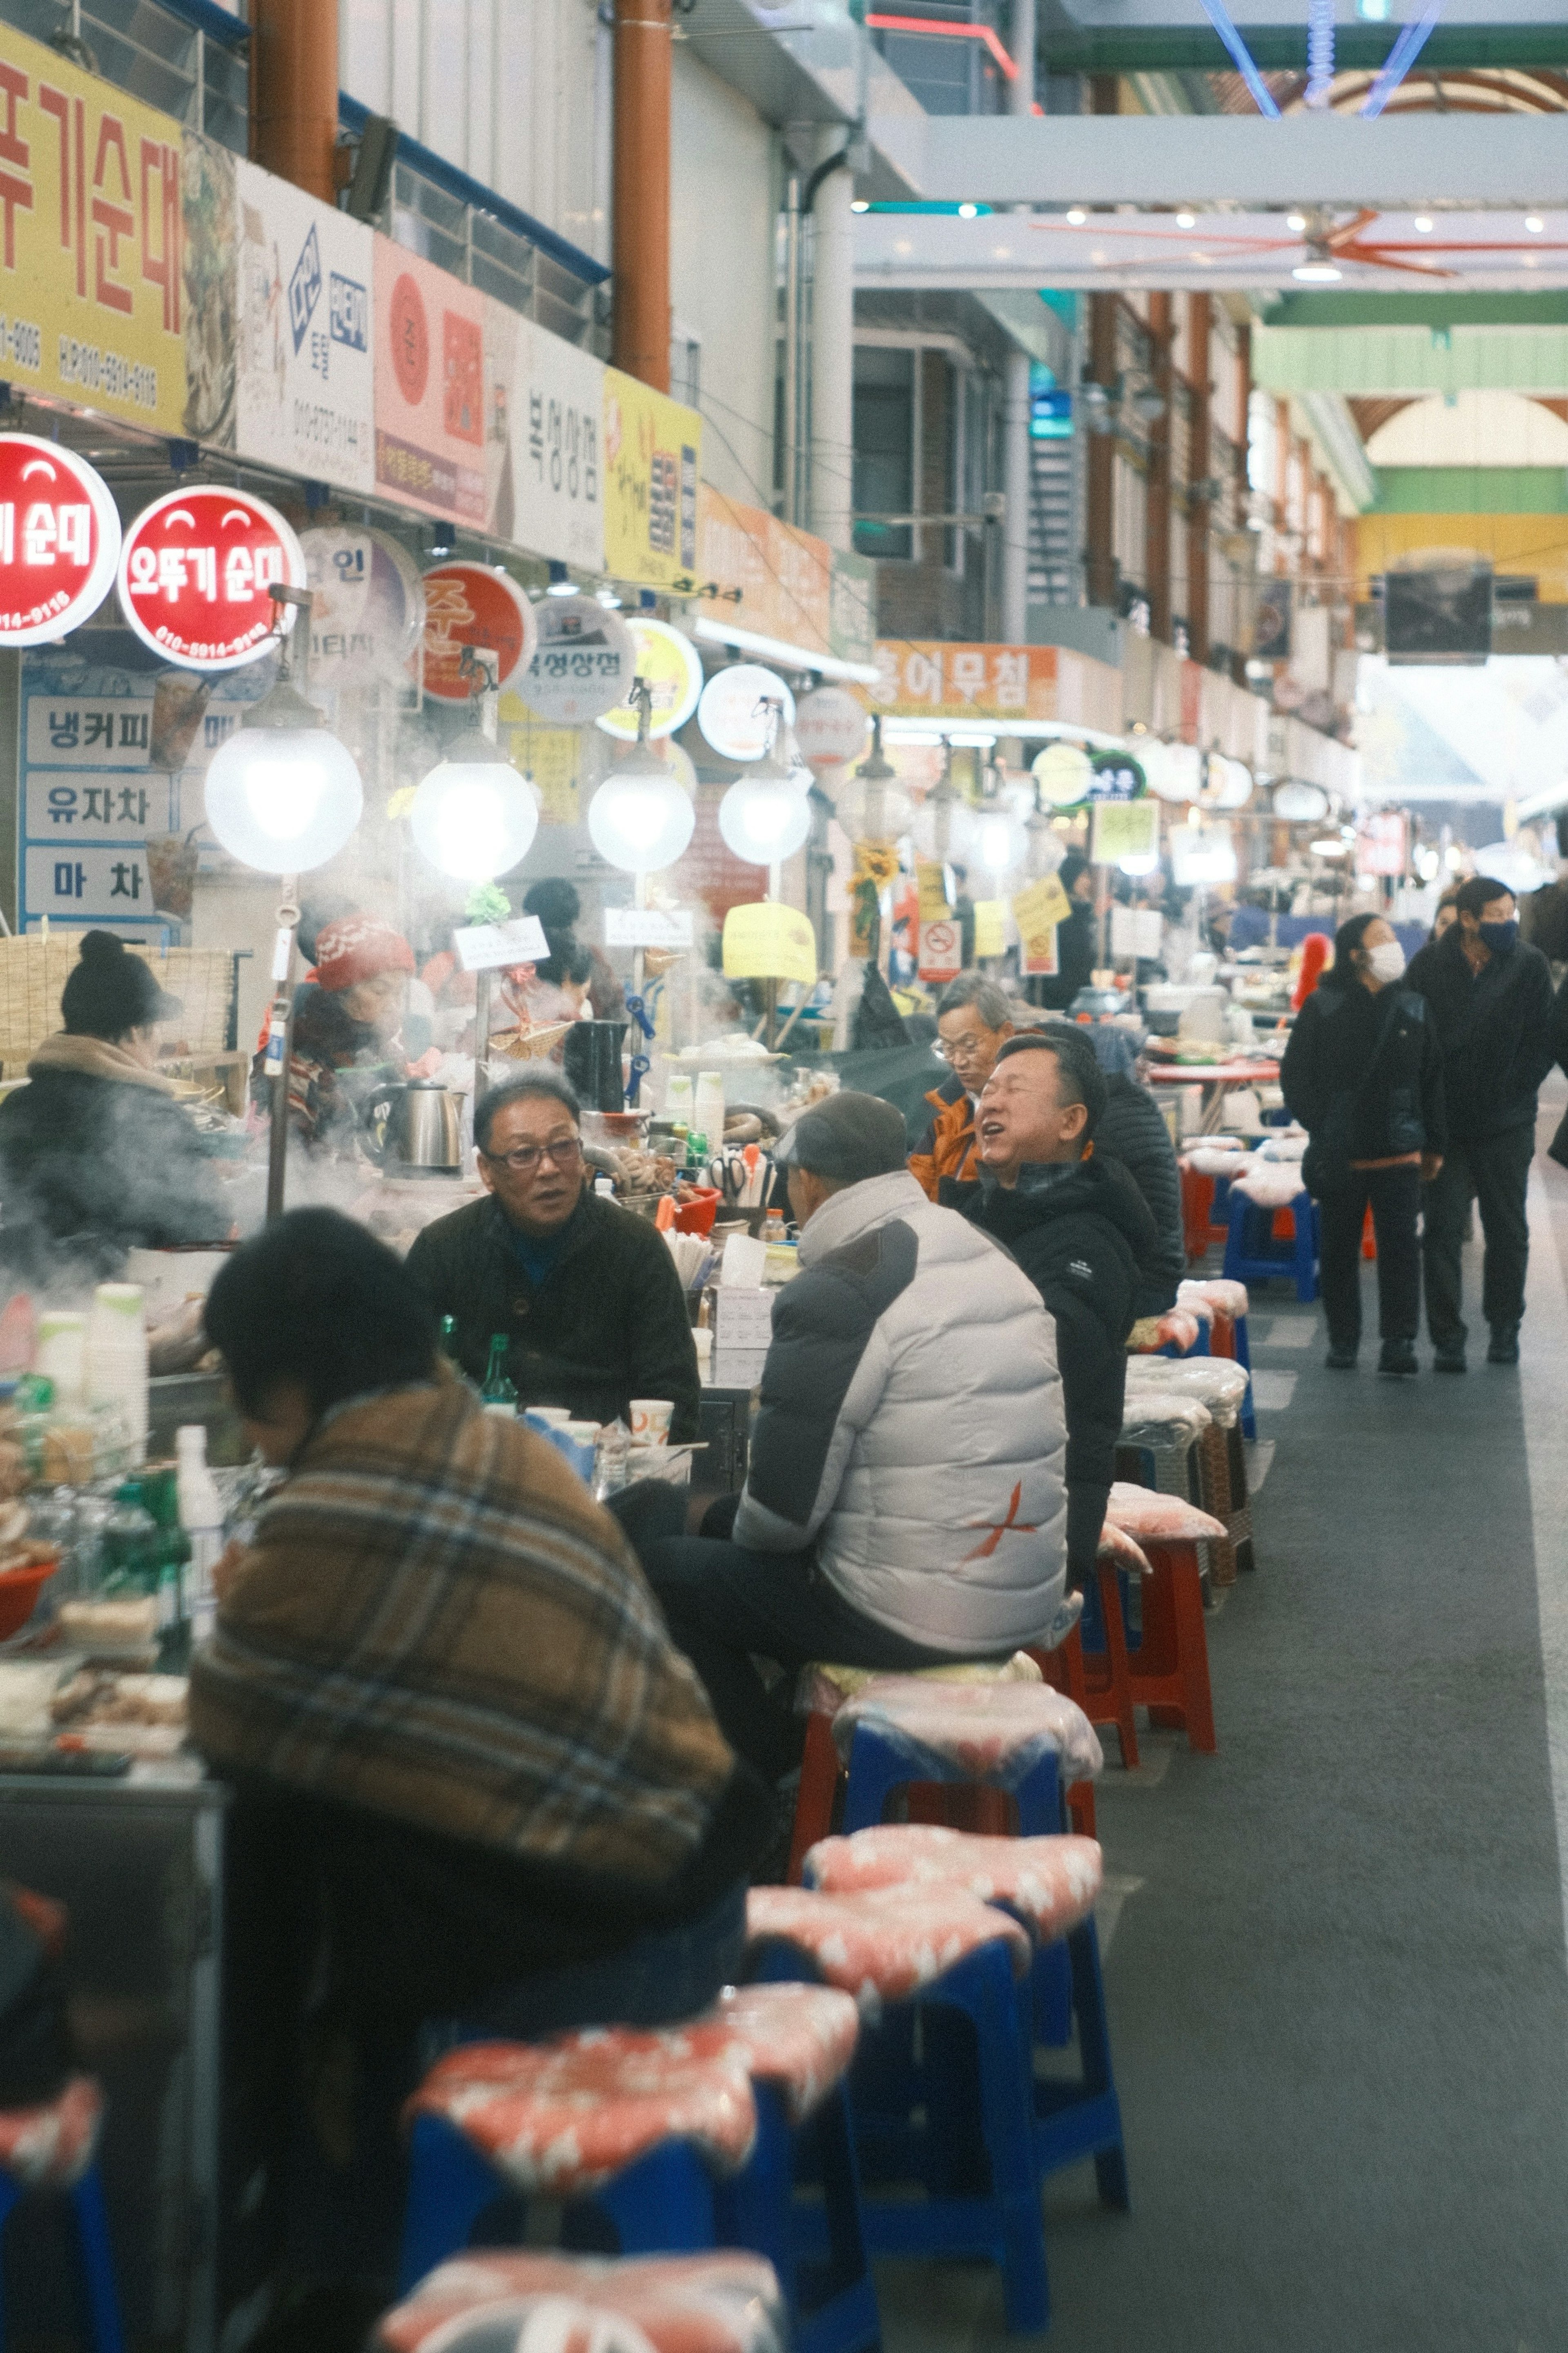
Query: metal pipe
(639,204)
(294,93)
(830,189)
(790,453)
(1015,452)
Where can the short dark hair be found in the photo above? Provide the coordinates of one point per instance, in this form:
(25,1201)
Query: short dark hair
(1480,892)
(568,959)
(555,901)
(524,1088)
(318,1300)
(973,992)
(1081,1080)
(1347,940)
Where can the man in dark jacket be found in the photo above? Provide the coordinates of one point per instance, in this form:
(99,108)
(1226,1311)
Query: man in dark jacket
(1077,1226)
(586,1294)
(1132,1129)
(1492,1000)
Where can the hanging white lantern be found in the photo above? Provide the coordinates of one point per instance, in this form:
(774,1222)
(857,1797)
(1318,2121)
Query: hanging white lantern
(474,817)
(1230,783)
(997,839)
(1176,772)
(873,805)
(1044,849)
(944,826)
(1064,773)
(641,817)
(764,820)
(283,793)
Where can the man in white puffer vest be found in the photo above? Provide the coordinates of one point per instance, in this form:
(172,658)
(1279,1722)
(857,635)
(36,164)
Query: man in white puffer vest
(904,1506)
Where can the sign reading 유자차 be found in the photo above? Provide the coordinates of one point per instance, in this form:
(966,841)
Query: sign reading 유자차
(195,572)
(59,537)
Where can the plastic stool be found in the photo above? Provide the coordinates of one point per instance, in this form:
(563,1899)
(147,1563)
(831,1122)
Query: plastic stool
(51,2147)
(1249,1256)
(1169,1671)
(723,2303)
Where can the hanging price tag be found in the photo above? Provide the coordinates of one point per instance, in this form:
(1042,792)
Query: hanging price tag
(1036,911)
(769,941)
(990,927)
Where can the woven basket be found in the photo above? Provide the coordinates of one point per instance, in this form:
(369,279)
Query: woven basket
(34,971)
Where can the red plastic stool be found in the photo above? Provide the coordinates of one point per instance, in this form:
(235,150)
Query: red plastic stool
(1100,1682)
(1169,1672)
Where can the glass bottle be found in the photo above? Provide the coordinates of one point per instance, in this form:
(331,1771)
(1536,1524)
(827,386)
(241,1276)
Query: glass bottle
(449,1339)
(132,1543)
(499,1390)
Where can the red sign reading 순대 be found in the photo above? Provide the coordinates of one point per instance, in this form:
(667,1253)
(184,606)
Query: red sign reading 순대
(59,538)
(195,572)
(474,605)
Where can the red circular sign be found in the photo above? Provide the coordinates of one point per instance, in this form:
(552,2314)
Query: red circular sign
(59,536)
(474,605)
(410,340)
(195,572)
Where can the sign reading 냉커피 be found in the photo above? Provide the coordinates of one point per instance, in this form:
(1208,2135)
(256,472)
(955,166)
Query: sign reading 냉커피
(60,540)
(305,389)
(195,571)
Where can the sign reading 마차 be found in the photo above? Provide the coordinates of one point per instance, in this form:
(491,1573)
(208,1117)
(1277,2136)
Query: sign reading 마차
(59,536)
(194,573)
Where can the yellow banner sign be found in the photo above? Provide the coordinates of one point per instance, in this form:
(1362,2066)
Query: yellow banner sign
(769,941)
(653,462)
(931,880)
(1124,829)
(92,297)
(990,927)
(1036,911)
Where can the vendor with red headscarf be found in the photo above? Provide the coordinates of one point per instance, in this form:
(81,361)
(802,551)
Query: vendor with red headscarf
(350,1018)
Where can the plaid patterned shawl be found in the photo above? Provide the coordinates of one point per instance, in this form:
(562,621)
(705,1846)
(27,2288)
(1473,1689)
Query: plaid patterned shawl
(436,1622)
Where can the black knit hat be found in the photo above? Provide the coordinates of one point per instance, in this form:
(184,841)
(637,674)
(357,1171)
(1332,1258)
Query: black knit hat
(111,991)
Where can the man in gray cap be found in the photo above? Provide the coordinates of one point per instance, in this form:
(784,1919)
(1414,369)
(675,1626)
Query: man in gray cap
(904,1503)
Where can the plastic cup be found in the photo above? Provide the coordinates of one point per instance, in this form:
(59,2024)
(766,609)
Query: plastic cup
(544,1418)
(650,1420)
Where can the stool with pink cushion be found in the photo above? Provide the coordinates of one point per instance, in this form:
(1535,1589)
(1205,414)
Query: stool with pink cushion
(676,2137)
(723,2303)
(1225,1305)
(939,2094)
(1050,1885)
(52,2147)
(1168,1671)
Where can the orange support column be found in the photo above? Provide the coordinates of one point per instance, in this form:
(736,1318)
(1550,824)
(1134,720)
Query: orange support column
(640,192)
(294,92)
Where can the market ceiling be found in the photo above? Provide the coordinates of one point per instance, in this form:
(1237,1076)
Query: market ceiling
(1129,36)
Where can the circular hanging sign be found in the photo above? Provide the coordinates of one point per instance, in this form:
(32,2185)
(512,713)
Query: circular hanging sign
(1175,771)
(194,570)
(1115,776)
(59,538)
(1064,774)
(737,709)
(669,663)
(475,604)
(830,726)
(1300,803)
(582,664)
(367,606)
(1230,783)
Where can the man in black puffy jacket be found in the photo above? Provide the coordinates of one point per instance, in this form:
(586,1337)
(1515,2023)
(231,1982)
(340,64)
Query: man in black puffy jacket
(1079,1226)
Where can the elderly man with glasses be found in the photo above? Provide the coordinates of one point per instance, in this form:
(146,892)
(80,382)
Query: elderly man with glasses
(586,1294)
(973,1022)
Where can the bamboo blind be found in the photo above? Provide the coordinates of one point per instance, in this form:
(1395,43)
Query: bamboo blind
(34,971)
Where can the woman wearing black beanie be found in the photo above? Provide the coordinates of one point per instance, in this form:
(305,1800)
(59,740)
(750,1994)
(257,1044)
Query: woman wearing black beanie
(96,1157)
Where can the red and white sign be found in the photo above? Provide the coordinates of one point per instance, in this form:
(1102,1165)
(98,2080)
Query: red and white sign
(194,573)
(474,605)
(1383,844)
(59,538)
(830,726)
(942,950)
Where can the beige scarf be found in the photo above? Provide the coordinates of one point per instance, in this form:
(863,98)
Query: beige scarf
(95,1057)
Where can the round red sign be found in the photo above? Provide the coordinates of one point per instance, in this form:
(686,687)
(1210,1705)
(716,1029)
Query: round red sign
(410,340)
(59,537)
(474,605)
(194,573)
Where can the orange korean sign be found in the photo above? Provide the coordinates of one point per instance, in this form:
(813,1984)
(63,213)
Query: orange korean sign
(762,573)
(943,682)
(91,240)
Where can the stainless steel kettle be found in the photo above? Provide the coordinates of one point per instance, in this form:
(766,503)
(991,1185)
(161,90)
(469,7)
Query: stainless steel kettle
(422,1128)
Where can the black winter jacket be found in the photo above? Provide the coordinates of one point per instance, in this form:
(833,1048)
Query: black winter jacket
(608,1324)
(1085,1238)
(1132,1129)
(1494,1029)
(1076,938)
(1363,1074)
(91,1167)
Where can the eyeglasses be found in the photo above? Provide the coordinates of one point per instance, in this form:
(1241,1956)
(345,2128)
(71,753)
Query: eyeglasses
(962,1049)
(565,1152)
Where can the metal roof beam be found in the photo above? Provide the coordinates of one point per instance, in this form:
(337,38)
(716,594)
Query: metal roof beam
(1282,49)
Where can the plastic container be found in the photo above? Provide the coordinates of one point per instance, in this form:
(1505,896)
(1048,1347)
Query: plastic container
(60,1356)
(201,1517)
(117,1358)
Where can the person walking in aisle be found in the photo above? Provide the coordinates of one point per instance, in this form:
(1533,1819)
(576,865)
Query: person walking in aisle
(1490,997)
(1363,1074)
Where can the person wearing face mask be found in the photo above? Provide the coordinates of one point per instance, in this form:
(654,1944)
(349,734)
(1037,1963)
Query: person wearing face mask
(1363,1072)
(1490,997)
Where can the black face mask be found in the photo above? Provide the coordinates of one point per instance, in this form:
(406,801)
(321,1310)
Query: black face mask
(1502,939)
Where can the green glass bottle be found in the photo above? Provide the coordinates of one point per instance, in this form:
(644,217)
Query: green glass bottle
(450,1339)
(499,1390)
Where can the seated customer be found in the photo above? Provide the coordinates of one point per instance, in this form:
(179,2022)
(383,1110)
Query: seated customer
(1132,1129)
(586,1294)
(1079,1230)
(903,1504)
(973,1019)
(439,1658)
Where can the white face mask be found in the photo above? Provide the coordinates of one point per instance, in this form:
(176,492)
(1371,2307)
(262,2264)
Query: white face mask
(1386,962)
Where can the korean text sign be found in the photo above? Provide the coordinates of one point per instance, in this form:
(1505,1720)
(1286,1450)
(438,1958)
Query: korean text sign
(91,240)
(652,457)
(305,391)
(953,681)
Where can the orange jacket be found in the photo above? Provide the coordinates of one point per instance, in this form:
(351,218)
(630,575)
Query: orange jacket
(948,1146)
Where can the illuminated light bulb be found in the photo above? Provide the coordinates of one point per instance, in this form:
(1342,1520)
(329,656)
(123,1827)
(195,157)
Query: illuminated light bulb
(473,817)
(640,819)
(1186,220)
(1422,225)
(282,799)
(1076,216)
(1297,221)
(764,820)
(968,211)
(1535,225)
(860,205)
(998,839)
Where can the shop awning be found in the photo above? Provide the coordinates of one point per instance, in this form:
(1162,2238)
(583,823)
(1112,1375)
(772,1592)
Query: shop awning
(778,649)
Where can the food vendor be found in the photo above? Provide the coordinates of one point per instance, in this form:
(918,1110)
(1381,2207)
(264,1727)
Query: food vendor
(96,1156)
(351,1018)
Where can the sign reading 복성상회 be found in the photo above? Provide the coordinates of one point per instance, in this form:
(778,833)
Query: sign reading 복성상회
(91,235)
(305,396)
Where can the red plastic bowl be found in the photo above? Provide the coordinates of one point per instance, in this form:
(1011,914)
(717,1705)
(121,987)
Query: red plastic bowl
(696,1217)
(19,1591)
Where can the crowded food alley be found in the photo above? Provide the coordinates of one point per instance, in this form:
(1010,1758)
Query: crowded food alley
(784,1176)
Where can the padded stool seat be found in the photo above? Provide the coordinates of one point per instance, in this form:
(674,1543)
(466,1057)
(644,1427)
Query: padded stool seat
(1169,1672)
(885,1943)
(1049,1884)
(53,2146)
(722,2302)
(995,1732)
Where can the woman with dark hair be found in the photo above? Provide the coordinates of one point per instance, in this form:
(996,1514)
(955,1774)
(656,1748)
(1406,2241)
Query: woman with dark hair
(469,1763)
(96,1156)
(559,908)
(1076,935)
(1363,1074)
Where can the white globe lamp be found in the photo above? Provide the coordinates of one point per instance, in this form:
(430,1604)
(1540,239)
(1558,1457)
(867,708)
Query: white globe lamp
(764,820)
(474,817)
(998,840)
(283,798)
(641,817)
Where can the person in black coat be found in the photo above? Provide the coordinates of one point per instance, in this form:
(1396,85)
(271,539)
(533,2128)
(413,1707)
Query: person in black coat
(1363,1074)
(96,1157)
(1077,1226)
(1490,997)
(1132,1129)
(1078,936)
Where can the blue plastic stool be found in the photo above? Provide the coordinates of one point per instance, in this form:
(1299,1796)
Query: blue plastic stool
(1251,1255)
(1249,1417)
(97,2274)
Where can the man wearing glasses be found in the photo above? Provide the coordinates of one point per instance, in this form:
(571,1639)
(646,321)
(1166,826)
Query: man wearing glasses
(973,1022)
(586,1292)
